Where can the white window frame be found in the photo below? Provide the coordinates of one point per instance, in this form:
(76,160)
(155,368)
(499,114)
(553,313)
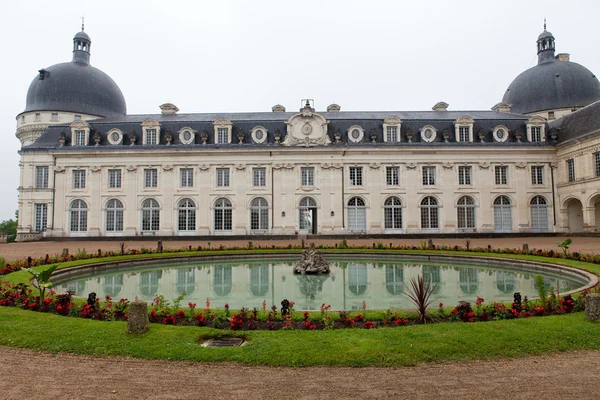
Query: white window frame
(182,133)
(428,175)
(150,178)
(223,177)
(150,132)
(115,178)
(80,133)
(40,217)
(465,214)
(79,176)
(464,123)
(259,215)
(360,134)
(392,175)
(118,139)
(501,174)
(391,124)
(465,175)
(307,176)
(258,134)
(537,174)
(186,215)
(114,216)
(54,117)
(536,129)
(78,212)
(496,133)
(259,177)
(596,156)
(392,214)
(150,221)
(356,176)
(570,170)
(224,126)
(41,176)
(433,132)
(186,176)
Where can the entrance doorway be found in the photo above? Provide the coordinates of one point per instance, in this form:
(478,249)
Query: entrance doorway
(575,212)
(307,218)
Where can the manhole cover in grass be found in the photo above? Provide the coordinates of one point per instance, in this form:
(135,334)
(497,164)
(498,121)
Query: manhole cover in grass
(224,342)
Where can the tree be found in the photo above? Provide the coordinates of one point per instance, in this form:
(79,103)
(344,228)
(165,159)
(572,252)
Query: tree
(10,227)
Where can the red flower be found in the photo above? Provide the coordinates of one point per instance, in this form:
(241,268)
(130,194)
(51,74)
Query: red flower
(180,314)
(369,325)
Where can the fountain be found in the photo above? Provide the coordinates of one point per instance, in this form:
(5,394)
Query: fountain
(312,262)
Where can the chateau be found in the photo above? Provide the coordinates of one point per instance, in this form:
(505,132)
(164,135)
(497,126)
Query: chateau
(530,164)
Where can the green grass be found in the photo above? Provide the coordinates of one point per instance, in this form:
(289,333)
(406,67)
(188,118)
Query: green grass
(384,347)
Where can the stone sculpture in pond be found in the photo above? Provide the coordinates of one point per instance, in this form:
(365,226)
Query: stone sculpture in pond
(312,262)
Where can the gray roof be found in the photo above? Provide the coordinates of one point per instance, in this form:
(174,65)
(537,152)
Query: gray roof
(578,124)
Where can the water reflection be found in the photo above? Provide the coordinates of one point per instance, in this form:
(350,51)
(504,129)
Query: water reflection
(380,285)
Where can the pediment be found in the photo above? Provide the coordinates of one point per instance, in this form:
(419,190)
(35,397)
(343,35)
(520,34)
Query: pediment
(79,125)
(306,129)
(392,121)
(150,123)
(222,122)
(465,119)
(536,120)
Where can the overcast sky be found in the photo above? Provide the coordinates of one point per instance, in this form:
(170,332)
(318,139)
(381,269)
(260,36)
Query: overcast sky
(249,55)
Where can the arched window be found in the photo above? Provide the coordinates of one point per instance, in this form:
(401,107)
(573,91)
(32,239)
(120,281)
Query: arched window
(305,218)
(112,285)
(466,213)
(506,282)
(186,214)
(185,281)
(468,280)
(222,280)
(223,214)
(357,215)
(149,283)
(259,215)
(150,215)
(502,214)
(429,213)
(114,216)
(394,279)
(539,214)
(392,213)
(433,275)
(357,278)
(259,280)
(78,213)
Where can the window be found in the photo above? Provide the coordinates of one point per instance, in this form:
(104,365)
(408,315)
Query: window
(539,214)
(38,117)
(392,176)
(223,215)
(428,176)
(187,177)
(501,173)
(222,280)
(41,216)
(114,178)
(259,215)
(307,210)
(78,213)
(358,279)
(464,175)
(307,175)
(259,177)
(41,177)
(222,135)
(77,117)
(597,164)
(222,177)
(151,178)
(114,215)
(186,210)
(571,170)
(394,279)
(464,133)
(259,280)
(536,133)
(502,214)
(54,117)
(392,213)
(78,179)
(150,215)
(550,114)
(537,175)
(466,213)
(429,213)
(356,176)
(79,139)
(357,215)
(151,136)
(391,134)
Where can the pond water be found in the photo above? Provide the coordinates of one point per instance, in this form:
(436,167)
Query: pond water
(380,284)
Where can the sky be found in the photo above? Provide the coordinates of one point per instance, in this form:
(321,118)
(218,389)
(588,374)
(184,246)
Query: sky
(228,56)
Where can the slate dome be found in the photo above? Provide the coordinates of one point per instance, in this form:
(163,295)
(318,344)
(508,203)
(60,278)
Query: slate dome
(552,84)
(76,86)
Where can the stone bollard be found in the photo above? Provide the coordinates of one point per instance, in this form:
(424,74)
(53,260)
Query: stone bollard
(525,247)
(592,306)
(159,246)
(138,321)
(65,252)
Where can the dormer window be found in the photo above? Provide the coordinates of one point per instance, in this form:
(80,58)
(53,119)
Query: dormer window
(464,129)
(391,129)
(428,133)
(114,136)
(536,129)
(80,131)
(258,134)
(187,135)
(151,132)
(222,131)
(38,117)
(500,133)
(356,134)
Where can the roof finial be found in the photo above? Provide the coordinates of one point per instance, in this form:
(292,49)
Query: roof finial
(83,25)
(544,24)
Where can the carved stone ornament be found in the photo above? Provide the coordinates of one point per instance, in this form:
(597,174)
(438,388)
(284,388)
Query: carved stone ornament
(409,135)
(283,166)
(447,165)
(373,135)
(204,136)
(312,262)
(306,129)
(484,165)
(411,165)
(132,137)
(518,134)
(204,167)
(481,134)
(554,134)
(445,134)
(521,164)
(169,137)
(374,165)
(97,138)
(131,168)
(331,166)
(62,138)
(554,164)
(277,136)
(95,168)
(167,167)
(241,135)
(59,169)
(240,167)
(337,134)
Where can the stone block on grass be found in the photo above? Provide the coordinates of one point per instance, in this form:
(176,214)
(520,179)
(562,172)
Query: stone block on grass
(592,306)
(138,321)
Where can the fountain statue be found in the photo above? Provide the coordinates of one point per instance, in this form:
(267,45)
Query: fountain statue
(312,262)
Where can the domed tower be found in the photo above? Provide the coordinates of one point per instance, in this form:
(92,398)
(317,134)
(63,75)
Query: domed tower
(554,87)
(67,92)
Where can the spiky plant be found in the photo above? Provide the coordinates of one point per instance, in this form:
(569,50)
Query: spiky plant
(420,293)
(41,280)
